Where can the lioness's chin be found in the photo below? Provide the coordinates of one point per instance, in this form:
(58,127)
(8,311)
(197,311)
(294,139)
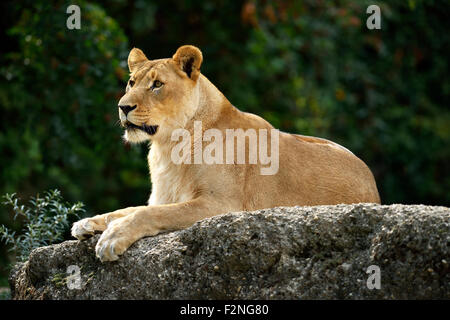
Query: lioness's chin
(135,136)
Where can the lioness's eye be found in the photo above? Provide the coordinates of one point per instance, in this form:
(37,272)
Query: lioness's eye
(157,84)
(131,83)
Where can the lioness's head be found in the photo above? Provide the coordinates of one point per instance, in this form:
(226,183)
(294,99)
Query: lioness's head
(161,95)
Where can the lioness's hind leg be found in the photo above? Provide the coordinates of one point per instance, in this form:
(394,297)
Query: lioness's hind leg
(89,226)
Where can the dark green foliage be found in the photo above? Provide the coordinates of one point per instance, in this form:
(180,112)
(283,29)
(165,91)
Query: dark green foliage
(58,96)
(45,222)
(384,94)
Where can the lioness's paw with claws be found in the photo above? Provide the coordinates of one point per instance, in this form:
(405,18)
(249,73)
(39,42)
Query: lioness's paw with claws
(112,243)
(83,229)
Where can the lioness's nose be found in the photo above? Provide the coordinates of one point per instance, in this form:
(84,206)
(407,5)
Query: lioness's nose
(127,109)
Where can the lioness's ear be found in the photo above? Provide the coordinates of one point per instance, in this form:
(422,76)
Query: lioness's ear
(189,59)
(135,58)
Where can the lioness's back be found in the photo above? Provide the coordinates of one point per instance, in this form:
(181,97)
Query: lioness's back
(313,171)
(333,173)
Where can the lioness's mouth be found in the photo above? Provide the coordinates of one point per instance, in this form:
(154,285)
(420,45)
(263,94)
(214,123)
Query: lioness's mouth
(151,130)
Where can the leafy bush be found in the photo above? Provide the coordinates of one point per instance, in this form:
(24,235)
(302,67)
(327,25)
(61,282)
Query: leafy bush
(58,95)
(45,222)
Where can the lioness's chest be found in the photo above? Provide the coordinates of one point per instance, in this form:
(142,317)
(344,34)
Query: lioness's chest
(171,183)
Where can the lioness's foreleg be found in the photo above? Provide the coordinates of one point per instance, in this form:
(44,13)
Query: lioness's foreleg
(151,220)
(88,226)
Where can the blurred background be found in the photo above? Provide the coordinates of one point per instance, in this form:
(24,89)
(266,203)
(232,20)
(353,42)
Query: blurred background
(310,67)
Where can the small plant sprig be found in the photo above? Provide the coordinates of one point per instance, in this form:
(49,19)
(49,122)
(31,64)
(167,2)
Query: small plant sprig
(45,222)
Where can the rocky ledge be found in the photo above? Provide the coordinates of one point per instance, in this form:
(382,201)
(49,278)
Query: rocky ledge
(361,251)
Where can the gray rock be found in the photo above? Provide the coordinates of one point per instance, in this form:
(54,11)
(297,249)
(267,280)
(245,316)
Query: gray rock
(320,252)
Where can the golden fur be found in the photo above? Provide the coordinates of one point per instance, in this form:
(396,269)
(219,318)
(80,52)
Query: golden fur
(312,171)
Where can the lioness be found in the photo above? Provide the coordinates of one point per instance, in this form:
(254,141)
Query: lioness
(164,95)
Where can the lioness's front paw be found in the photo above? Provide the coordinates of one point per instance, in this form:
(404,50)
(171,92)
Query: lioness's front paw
(83,229)
(112,243)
